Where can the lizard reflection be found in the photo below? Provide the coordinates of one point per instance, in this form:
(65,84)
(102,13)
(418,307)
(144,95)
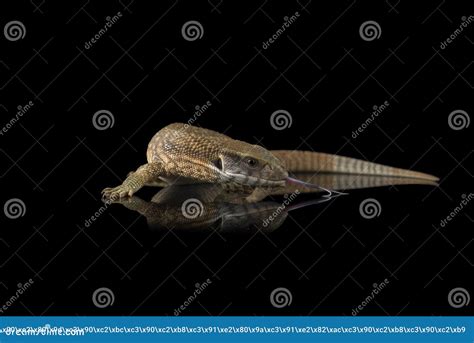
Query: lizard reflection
(211,206)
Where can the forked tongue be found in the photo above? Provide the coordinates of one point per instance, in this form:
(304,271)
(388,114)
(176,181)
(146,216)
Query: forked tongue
(329,192)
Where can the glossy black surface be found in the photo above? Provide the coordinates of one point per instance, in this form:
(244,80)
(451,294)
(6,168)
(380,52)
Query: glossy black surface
(148,76)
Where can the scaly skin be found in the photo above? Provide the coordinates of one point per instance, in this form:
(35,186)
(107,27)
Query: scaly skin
(183,154)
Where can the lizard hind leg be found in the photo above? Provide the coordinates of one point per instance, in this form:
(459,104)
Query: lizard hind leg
(145,174)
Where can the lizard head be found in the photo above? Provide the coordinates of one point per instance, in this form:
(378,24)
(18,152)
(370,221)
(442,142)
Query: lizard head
(252,165)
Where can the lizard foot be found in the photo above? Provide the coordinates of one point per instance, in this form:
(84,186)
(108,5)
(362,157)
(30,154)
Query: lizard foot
(115,193)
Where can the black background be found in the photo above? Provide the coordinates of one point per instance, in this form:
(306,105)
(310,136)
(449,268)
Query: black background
(147,75)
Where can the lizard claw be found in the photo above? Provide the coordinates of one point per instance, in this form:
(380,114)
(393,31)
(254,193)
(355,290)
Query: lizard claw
(116,193)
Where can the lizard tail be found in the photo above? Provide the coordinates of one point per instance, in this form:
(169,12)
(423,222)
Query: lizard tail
(309,161)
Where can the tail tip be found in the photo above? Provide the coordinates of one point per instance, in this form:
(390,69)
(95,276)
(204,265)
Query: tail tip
(430,177)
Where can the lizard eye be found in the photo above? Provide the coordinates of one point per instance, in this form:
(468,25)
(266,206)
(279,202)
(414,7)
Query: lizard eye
(251,162)
(218,163)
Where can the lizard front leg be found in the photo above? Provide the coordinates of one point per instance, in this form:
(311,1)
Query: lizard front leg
(153,183)
(145,174)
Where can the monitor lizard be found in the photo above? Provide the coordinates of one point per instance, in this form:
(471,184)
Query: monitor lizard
(184,154)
